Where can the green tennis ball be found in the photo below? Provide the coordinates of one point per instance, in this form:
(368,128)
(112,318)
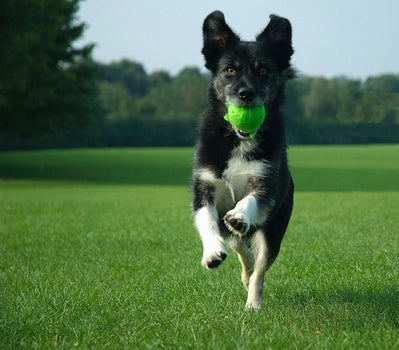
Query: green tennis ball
(247,119)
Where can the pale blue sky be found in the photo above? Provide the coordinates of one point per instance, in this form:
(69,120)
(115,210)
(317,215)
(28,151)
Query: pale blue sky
(331,38)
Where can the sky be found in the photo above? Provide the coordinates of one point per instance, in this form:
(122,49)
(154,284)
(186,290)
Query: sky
(352,38)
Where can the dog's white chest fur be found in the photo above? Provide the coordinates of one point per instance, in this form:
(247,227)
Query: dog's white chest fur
(238,173)
(234,184)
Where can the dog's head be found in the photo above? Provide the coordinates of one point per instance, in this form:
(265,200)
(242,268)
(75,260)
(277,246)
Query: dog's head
(245,73)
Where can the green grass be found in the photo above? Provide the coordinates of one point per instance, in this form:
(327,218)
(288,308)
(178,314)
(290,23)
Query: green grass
(98,250)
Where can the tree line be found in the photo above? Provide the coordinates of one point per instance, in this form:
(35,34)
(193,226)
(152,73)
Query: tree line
(53,94)
(133,108)
(317,110)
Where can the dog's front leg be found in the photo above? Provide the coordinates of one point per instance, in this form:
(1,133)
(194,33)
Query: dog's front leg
(244,214)
(206,220)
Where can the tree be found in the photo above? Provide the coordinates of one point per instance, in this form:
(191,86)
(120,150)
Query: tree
(385,82)
(46,83)
(190,89)
(322,101)
(132,75)
(158,78)
(180,98)
(115,101)
(350,93)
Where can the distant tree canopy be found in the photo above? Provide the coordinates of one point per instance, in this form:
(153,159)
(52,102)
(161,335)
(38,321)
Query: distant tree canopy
(45,82)
(345,100)
(127,92)
(317,110)
(159,96)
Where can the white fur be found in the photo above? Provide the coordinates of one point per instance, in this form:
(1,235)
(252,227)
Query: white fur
(238,172)
(245,256)
(255,285)
(247,210)
(230,197)
(206,221)
(233,198)
(232,188)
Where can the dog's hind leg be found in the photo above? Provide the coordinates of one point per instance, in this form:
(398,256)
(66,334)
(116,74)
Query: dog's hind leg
(261,264)
(266,246)
(246,258)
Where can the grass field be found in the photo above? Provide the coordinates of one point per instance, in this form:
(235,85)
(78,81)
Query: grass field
(98,250)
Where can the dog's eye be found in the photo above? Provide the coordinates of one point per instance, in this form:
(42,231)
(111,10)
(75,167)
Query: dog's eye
(231,71)
(263,71)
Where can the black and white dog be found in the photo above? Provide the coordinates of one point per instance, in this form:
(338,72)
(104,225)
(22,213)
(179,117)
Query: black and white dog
(243,190)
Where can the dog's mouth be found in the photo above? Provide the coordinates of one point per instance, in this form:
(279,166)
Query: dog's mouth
(243,133)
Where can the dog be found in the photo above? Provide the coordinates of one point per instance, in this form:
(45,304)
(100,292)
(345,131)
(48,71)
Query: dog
(242,186)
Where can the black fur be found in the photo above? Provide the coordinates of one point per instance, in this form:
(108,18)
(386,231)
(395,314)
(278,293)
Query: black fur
(246,74)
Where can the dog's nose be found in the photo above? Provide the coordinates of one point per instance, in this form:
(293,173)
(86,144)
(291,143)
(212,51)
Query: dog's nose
(246,94)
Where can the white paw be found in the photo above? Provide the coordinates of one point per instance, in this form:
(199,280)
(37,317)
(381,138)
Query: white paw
(253,306)
(254,301)
(213,258)
(236,223)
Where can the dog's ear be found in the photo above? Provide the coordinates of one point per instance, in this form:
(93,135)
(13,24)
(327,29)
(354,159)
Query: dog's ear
(217,37)
(277,36)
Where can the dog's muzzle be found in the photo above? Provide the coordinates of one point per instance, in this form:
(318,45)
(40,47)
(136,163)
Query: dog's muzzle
(243,133)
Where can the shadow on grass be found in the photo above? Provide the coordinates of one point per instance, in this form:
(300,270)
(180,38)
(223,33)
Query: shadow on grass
(353,308)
